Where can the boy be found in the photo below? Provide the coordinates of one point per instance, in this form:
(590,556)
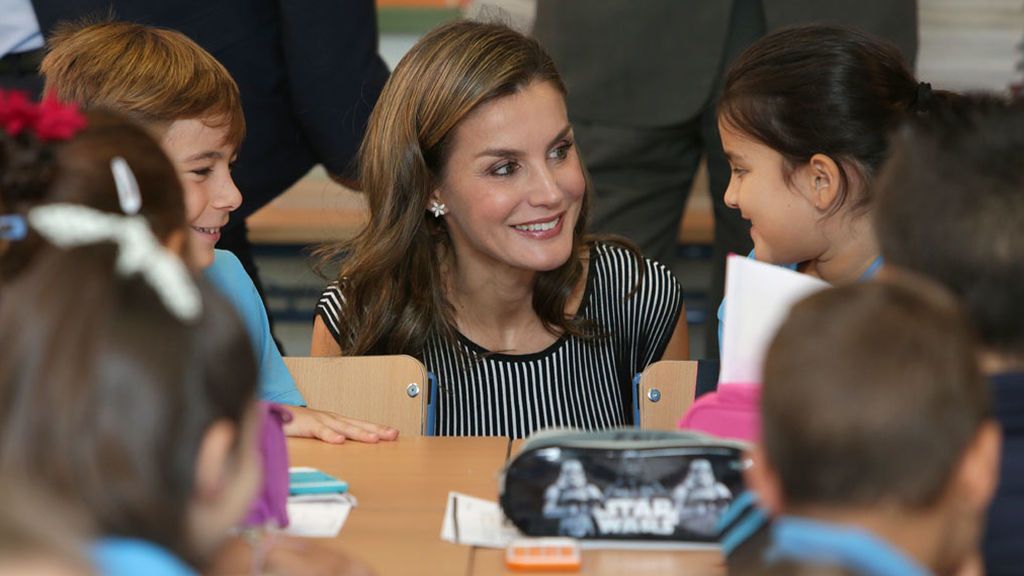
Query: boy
(951,207)
(187,99)
(878,454)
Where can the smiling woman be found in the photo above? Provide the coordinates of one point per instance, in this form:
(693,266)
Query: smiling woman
(475,258)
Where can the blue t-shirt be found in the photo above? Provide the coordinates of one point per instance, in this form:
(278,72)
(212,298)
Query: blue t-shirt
(808,542)
(132,557)
(276,382)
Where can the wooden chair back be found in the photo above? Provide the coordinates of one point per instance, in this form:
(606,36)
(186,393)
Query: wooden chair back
(666,392)
(389,390)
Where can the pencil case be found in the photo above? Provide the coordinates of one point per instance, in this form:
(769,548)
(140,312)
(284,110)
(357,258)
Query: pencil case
(624,484)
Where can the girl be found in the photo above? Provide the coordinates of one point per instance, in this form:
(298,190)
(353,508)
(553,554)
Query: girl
(476,258)
(804,117)
(81,170)
(188,100)
(88,395)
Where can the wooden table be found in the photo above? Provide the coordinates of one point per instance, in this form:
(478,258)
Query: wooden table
(402,488)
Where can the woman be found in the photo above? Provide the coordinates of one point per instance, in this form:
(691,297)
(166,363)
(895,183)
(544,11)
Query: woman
(475,259)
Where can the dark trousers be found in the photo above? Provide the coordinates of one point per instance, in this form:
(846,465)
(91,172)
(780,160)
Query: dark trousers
(21,72)
(642,176)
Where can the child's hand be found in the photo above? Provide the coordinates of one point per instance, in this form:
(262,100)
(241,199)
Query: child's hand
(334,428)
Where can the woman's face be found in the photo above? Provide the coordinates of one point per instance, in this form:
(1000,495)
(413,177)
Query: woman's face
(202,157)
(513,185)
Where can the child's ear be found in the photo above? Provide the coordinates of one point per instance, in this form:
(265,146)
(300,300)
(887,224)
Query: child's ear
(977,475)
(214,460)
(825,182)
(762,479)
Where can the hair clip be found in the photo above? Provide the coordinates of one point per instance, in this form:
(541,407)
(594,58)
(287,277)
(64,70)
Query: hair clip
(139,252)
(127,186)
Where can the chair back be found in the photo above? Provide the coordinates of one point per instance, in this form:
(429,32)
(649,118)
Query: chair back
(665,392)
(391,390)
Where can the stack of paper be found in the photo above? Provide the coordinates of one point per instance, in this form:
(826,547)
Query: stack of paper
(758,297)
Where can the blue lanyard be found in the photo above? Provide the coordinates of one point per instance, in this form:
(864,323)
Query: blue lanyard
(12,227)
(872,270)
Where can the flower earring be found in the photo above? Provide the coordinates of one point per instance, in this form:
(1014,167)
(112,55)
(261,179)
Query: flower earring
(438,208)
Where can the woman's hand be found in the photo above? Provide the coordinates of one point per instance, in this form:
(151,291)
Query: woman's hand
(334,428)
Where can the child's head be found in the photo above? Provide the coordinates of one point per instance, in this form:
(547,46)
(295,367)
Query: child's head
(873,405)
(78,171)
(116,397)
(171,85)
(804,117)
(950,207)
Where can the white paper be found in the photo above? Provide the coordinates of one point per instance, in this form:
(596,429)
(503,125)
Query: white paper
(476,522)
(758,299)
(317,515)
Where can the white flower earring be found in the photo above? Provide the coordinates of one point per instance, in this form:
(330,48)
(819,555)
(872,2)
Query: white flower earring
(438,209)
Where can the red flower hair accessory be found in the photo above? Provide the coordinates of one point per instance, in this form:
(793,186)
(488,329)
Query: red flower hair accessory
(50,120)
(57,121)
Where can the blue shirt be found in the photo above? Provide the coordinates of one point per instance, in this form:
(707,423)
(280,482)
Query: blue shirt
(810,542)
(1005,531)
(276,382)
(132,557)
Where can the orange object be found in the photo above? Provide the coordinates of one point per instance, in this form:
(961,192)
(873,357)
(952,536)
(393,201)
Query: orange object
(543,554)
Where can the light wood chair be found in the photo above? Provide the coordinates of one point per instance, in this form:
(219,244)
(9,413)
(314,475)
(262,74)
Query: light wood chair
(666,391)
(391,390)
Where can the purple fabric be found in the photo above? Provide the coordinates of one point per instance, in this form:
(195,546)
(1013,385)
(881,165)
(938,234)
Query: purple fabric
(271,503)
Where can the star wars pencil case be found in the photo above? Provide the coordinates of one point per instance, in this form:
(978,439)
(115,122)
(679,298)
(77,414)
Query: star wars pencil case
(622,484)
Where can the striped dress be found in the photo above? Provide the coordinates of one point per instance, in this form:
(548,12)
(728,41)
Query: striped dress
(574,383)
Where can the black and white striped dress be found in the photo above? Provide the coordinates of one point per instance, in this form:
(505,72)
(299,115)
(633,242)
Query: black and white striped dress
(574,383)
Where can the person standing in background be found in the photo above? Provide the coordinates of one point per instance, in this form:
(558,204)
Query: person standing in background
(21,48)
(309,74)
(643,81)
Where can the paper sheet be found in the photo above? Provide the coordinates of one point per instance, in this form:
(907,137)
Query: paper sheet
(476,522)
(758,298)
(318,515)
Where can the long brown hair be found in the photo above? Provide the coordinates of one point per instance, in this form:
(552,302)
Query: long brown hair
(105,395)
(391,272)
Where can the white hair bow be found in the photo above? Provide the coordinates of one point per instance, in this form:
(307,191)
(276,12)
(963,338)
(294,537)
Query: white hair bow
(139,252)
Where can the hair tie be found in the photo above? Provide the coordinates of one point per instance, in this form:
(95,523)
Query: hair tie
(12,227)
(138,251)
(923,98)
